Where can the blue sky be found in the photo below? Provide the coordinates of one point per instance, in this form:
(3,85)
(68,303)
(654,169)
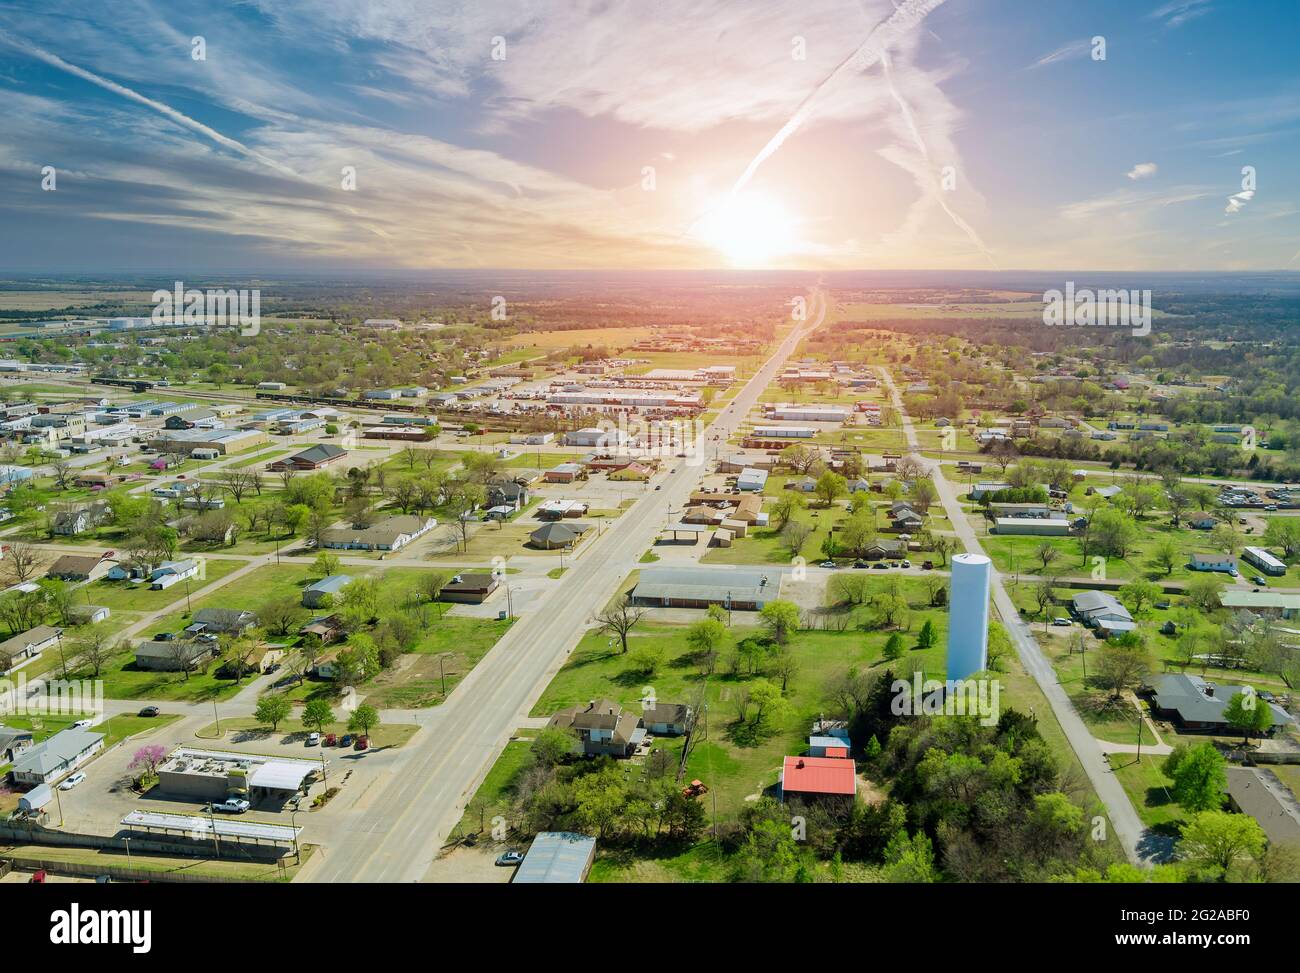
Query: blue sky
(962,133)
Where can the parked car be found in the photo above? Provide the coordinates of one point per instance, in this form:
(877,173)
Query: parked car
(331,739)
(273,667)
(149,711)
(72,781)
(927,565)
(827,564)
(165,637)
(511,857)
(313,739)
(1060,620)
(880,566)
(82,724)
(907,564)
(861,564)
(363,743)
(1259,579)
(231,805)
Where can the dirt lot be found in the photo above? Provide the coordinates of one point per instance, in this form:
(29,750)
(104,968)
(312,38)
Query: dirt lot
(470,865)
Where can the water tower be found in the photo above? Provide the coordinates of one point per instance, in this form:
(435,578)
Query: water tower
(968,616)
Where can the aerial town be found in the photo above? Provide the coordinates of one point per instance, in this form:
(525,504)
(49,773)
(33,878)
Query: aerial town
(467,465)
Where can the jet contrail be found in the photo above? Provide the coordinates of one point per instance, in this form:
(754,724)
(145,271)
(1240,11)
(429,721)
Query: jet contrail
(883,35)
(167,111)
(906,111)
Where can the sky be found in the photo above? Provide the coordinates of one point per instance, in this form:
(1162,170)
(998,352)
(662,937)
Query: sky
(277,135)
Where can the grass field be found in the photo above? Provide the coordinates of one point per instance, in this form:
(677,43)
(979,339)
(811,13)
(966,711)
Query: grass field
(116,595)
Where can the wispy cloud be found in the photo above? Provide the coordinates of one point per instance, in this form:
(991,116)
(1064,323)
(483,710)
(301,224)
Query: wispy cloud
(1178,12)
(1067,52)
(1142,170)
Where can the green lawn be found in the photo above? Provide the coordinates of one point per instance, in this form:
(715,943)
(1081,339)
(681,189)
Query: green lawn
(248,727)
(449,649)
(1147,787)
(124,725)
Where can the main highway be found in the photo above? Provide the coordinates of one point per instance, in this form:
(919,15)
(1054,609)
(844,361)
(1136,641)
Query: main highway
(393,831)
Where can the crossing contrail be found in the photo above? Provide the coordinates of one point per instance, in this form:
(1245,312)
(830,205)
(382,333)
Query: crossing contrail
(906,16)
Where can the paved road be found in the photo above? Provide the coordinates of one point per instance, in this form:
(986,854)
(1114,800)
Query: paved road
(1127,825)
(396,836)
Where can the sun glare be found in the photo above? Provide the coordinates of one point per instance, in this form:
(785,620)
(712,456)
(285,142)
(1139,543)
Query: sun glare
(749,229)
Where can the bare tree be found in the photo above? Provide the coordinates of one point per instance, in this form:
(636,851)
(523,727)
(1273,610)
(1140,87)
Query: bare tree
(620,618)
(23,558)
(61,470)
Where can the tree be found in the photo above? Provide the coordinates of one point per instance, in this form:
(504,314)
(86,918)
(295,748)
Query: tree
(552,746)
(1284,532)
(1166,554)
(647,659)
(1199,776)
(926,638)
(363,719)
(706,637)
(1047,553)
(910,859)
(619,619)
(780,618)
(272,708)
(23,559)
(1203,593)
(786,506)
(317,714)
(1248,713)
(281,616)
(1136,595)
(326,564)
(944,546)
(830,486)
(147,760)
(894,648)
(1219,839)
(795,534)
(1121,664)
(92,650)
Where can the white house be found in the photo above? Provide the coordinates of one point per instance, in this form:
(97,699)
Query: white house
(170,572)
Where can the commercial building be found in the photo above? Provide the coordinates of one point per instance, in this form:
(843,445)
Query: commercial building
(312,458)
(751,479)
(224,441)
(1037,526)
(214,775)
(783,432)
(1280,602)
(470,589)
(316,593)
(968,616)
(810,413)
(390,534)
(738,589)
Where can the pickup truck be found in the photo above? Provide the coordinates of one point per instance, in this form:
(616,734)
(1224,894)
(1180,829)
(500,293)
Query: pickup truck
(231,805)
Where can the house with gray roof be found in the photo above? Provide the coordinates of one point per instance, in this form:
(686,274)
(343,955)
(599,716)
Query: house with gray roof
(1102,611)
(1194,703)
(1258,792)
(316,593)
(173,655)
(61,754)
(232,621)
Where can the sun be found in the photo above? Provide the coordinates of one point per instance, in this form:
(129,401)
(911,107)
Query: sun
(749,229)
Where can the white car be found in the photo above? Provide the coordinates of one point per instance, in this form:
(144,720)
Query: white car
(313,739)
(82,724)
(72,781)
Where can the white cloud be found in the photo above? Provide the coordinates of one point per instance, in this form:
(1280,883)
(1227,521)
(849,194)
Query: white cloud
(1142,170)
(1067,52)
(1178,12)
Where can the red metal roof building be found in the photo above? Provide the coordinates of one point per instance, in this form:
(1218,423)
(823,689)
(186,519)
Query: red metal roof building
(819,777)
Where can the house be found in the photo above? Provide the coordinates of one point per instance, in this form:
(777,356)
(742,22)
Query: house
(1194,703)
(633,471)
(327,628)
(828,740)
(1102,611)
(16,651)
(173,655)
(1264,560)
(13,742)
(128,571)
(698,587)
(557,858)
(602,727)
(170,572)
(61,754)
(312,458)
(226,621)
(830,780)
(507,493)
(885,547)
(550,537)
(390,534)
(325,590)
(470,589)
(1284,604)
(79,568)
(69,523)
(1259,793)
(1202,522)
(93,481)
(666,719)
(1213,562)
